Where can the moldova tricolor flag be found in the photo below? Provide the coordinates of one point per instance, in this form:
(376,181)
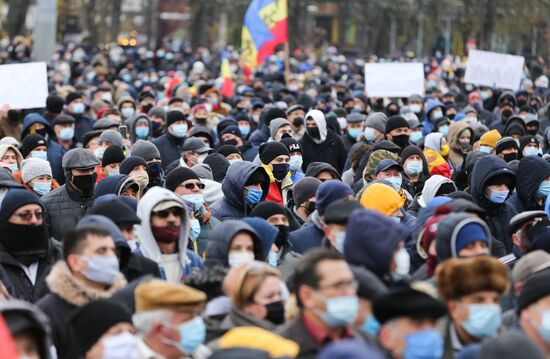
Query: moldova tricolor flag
(265,27)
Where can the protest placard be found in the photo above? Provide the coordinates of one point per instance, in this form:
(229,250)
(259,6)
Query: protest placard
(23,86)
(492,69)
(394,79)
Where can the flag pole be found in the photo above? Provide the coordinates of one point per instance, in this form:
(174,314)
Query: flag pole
(287,63)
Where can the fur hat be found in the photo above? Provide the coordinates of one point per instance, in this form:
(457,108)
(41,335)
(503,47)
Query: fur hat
(459,277)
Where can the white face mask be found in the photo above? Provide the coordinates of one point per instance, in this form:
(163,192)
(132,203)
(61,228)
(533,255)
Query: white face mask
(402,262)
(201,158)
(120,346)
(235,259)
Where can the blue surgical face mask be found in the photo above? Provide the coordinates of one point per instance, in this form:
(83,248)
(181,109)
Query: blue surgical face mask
(354,132)
(498,196)
(14,167)
(341,311)
(78,108)
(414,168)
(369,134)
(340,238)
(544,328)
(395,182)
(142,132)
(371,325)
(444,130)
(273,259)
(127,112)
(195,229)
(485,149)
(245,130)
(484,95)
(483,320)
(295,163)
(179,130)
(197,200)
(42,188)
(416,136)
(66,134)
(437,114)
(254,196)
(43,155)
(101,269)
(99,152)
(544,189)
(531,151)
(192,335)
(113,172)
(424,344)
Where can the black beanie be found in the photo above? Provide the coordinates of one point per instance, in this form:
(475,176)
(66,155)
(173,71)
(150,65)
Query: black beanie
(534,288)
(272,114)
(30,143)
(396,122)
(117,211)
(292,144)
(54,104)
(270,150)
(71,97)
(130,163)
(174,116)
(506,179)
(446,188)
(258,176)
(179,175)
(267,209)
(113,154)
(227,150)
(94,319)
(16,198)
(219,165)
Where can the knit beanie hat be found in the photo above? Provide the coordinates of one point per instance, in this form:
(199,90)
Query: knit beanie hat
(534,288)
(203,171)
(146,150)
(16,198)
(219,165)
(63,119)
(267,209)
(174,116)
(34,167)
(396,122)
(179,175)
(381,198)
(292,145)
(113,154)
(469,234)
(330,191)
(304,189)
(227,150)
(276,124)
(117,211)
(90,321)
(271,150)
(505,143)
(232,129)
(54,104)
(490,138)
(129,163)
(273,113)
(409,151)
(71,97)
(30,143)
(112,137)
(377,121)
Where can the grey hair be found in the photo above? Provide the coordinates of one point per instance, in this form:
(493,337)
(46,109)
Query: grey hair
(144,321)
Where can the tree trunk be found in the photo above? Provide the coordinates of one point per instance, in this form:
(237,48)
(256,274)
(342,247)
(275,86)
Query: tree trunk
(488,25)
(16,16)
(115,23)
(90,7)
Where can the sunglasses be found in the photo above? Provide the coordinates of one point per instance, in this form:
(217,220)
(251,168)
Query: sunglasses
(192,186)
(176,212)
(27,215)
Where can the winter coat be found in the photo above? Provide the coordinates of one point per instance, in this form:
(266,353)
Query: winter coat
(64,208)
(259,136)
(10,127)
(431,186)
(456,156)
(499,214)
(278,191)
(24,289)
(148,245)
(331,151)
(428,124)
(83,125)
(68,293)
(248,151)
(307,237)
(170,148)
(232,205)
(532,170)
(379,151)
(132,127)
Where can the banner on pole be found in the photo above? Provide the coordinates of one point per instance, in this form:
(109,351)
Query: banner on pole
(492,69)
(24,86)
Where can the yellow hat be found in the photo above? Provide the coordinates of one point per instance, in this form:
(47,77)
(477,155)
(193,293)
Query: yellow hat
(382,198)
(490,138)
(158,294)
(261,339)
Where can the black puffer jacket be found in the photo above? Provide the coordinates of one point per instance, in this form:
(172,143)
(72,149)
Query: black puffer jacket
(331,151)
(170,148)
(64,208)
(498,214)
(532,171)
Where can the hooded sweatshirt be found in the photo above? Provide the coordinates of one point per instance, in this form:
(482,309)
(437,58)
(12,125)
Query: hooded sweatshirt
(149,246)
(132,127)
(113,184)
(456,156)
(499,214)
(432,150)
(431,186)
(447,231)
(531,172)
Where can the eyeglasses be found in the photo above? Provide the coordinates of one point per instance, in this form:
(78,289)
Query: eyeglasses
(342,285)
(175,211)
(192,186)
(27,215)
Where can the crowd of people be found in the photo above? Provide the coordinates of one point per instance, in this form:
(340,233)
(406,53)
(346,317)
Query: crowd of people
(146,212)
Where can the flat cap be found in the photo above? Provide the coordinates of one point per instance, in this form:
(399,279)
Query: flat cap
(521,218)
(79,158)
(158,294)
(339,212)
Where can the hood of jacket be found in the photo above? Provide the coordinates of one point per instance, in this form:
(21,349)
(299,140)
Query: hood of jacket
(447,231)
(532,171)
(147,243)
(433,141)
(111,185)
(132,126)
(454,132)
(267,232)
(431,186)
(235,180)
(5,148)
(430,107)
(315,168)
(35,118)
(488,167)
(321,122)
(36,316)
(369,172)
(219,241)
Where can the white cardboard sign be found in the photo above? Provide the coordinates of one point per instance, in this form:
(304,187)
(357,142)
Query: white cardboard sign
(492,69)
(394,79)
(24,86)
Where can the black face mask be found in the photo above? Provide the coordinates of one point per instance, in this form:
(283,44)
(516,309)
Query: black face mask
(201,121)
(280,170)
(26,243)
(402,140)
(154,169)
(85,184)
(349,109)
(390,113)
(506,115)
(146,108)
(510,157)
(42,132)
(314,132)
(275,312)
(298,121)
(451,116)
(232,142)
(522,103)
(282,237)
(533,132)
(310,208)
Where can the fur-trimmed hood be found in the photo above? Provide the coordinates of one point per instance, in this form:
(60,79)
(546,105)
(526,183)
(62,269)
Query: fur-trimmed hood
(62,282)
